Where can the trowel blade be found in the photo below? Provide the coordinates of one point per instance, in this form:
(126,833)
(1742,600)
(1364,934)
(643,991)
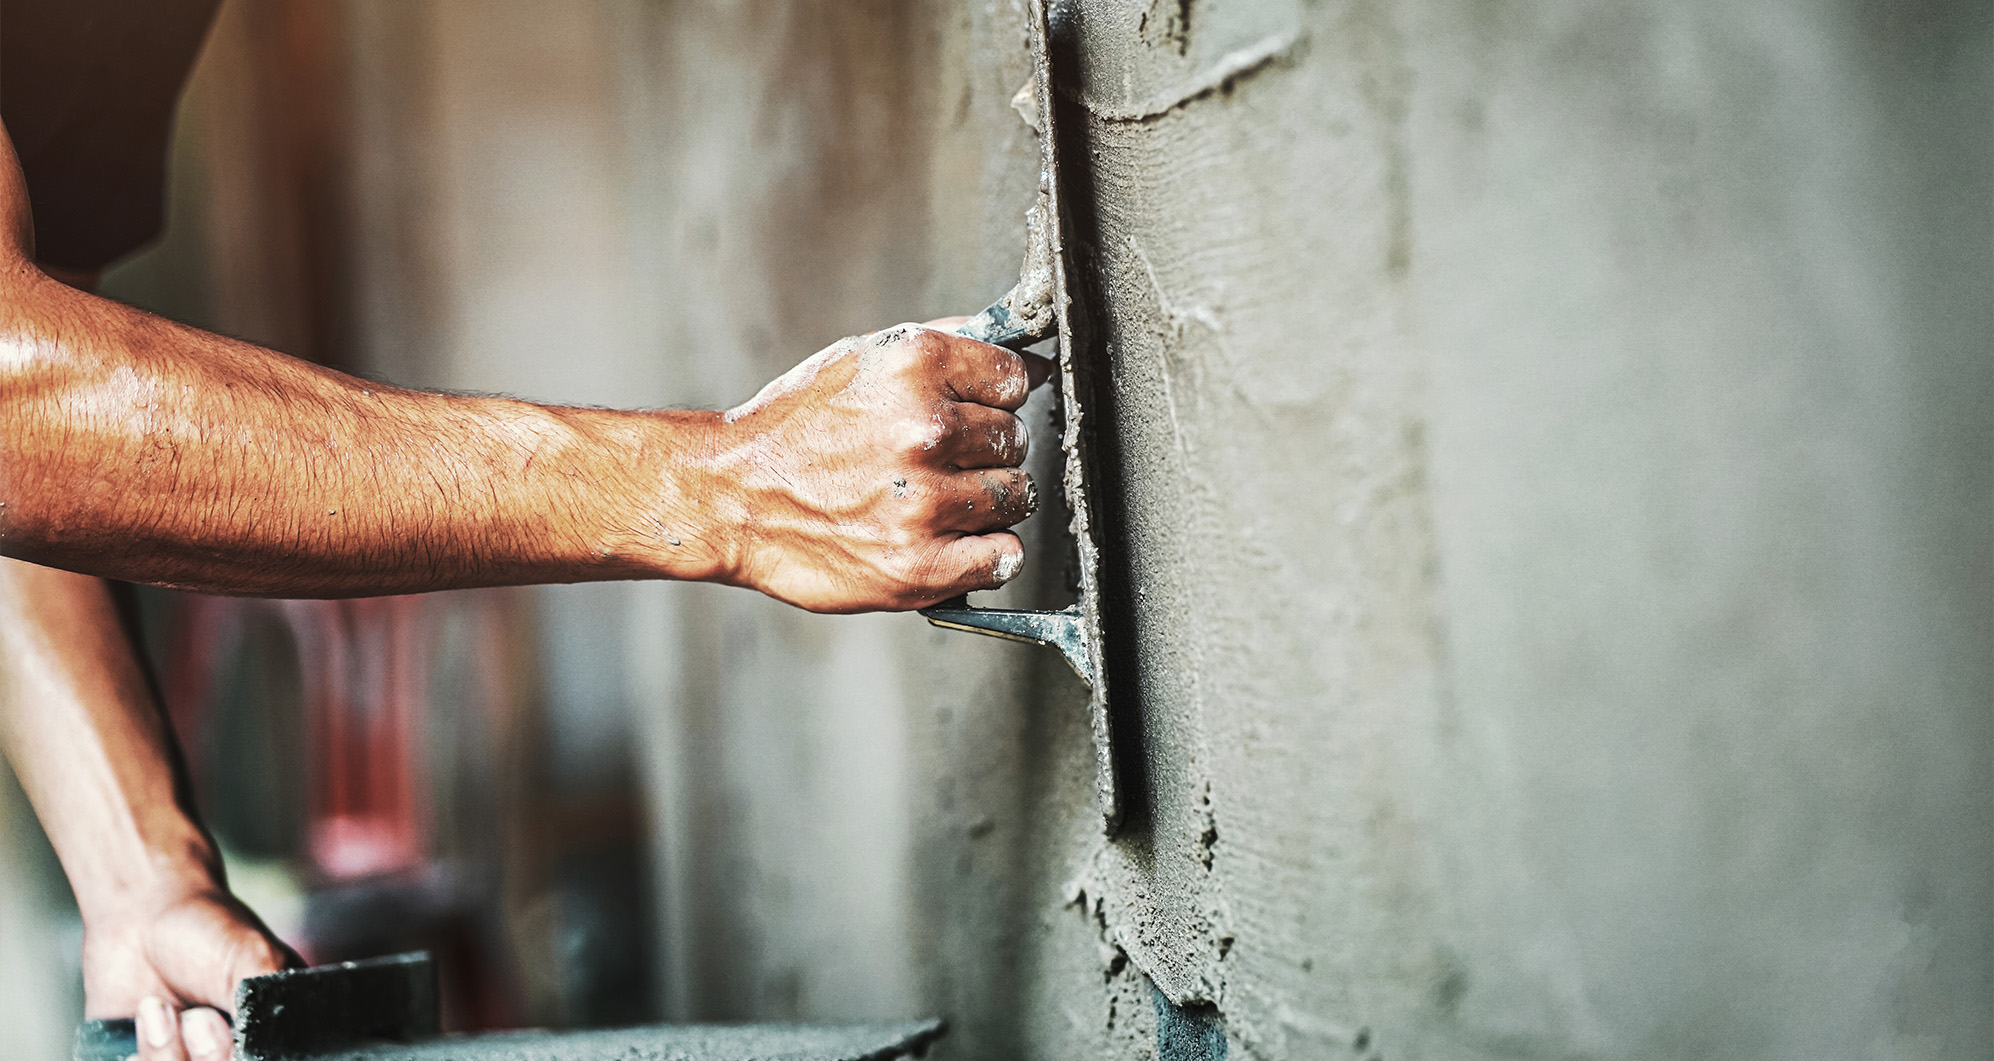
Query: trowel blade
(1056,182)
(306,1012)
(385,1009)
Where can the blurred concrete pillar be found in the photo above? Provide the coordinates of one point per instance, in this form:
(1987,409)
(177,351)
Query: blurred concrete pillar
(39,1007)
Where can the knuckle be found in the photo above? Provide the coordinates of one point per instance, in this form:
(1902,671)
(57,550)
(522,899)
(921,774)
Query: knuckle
(916,434)
(919,348)
(932,340)
(1009,384)
(902,538)
(1014,369)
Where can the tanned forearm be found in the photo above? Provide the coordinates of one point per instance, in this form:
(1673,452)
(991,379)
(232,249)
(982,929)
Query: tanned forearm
(162,936)
(146,450)
(94,756)
(163,939)
(878,474)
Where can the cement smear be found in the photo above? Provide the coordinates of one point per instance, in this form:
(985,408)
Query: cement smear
(878,1042)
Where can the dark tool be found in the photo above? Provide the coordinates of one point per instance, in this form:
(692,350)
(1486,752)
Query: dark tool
(385,1009)
(1039,307)
(301,1012)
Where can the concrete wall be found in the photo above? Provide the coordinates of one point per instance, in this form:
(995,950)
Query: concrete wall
(1558,465)
(1556,471)
(1554,452)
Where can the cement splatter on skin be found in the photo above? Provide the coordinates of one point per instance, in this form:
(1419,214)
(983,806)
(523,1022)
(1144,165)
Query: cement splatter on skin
(806,371)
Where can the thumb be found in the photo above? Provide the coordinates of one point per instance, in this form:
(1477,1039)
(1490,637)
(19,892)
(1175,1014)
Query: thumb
(1037,369)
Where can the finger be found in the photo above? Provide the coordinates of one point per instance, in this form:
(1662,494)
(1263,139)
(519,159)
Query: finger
(206,1034)
(1037,369)
(981,373)
(986,438)
(158,1031)
(975,561)
(984,500)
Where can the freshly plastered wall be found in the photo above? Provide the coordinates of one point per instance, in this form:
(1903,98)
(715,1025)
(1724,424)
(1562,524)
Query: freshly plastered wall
(1553,449)
(1556,470)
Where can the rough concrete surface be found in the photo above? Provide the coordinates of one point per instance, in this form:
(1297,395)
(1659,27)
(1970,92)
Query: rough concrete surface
(1552,444)
(875,1042)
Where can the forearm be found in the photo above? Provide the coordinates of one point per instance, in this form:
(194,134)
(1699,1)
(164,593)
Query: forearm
(92,750)
(142,449)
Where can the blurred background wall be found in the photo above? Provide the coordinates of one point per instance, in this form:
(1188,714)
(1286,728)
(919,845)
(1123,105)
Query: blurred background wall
(1556,469)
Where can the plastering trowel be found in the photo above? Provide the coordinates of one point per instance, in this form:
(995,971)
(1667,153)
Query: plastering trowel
(385,1009)
(1040,307)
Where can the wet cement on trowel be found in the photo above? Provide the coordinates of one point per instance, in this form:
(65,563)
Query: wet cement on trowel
(858,1042)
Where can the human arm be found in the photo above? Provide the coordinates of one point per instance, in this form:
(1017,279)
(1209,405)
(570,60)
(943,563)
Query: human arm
(96,758)
(137,448)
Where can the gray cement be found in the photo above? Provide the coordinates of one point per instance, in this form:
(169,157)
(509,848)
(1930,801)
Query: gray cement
(874,1042)
(1552,447)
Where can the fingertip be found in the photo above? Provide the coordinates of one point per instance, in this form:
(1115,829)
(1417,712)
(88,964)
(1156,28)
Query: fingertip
(1038,369)
(157,1025)
(206,1033)
(1006,558)
(1008,566)
(158,1030)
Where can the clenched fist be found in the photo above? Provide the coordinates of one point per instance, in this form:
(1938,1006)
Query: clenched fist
(882,473)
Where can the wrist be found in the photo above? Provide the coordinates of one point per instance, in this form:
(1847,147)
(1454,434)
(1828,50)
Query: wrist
(674,512)
(152,874)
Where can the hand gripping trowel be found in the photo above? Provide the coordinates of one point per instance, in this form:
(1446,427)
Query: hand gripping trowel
(385,1009)
(1039,307)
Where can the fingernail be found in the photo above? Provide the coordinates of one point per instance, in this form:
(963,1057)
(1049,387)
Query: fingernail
(199,1029)
(156,1023)
(1008,565)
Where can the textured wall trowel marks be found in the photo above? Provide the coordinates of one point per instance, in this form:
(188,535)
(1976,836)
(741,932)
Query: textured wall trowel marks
(1545,427)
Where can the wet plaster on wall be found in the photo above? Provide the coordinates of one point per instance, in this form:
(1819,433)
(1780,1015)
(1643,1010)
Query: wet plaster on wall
(1552,455)
(1276,536)
(846,803)
(1520,294)
(1685,316)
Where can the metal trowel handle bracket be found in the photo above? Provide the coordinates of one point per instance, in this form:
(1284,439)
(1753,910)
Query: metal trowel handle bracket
(1061,629)
(998,326)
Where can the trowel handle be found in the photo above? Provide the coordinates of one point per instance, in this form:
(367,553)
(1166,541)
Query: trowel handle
(998,326)
(1061,629)
(106,1040)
